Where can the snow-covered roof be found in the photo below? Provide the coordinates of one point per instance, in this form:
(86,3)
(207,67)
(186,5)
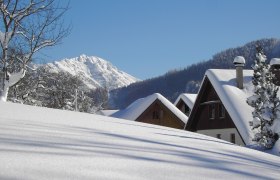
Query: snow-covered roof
(134,110)
(189,99)
(234,99)
(106,112)
(275,61)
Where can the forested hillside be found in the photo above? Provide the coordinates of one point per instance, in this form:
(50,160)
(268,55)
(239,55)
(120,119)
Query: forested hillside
(188,80)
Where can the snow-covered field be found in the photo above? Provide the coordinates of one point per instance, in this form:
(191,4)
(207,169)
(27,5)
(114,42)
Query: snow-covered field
(40,143)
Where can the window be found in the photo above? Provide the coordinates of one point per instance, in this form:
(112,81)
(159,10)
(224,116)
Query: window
(232,138)
(218,136)
(211,111)
(155,115)
(183,108)
(161,114)
(222,111)
(187,110)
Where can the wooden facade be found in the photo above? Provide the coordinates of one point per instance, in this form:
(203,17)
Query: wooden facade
(209,114)
(157,113)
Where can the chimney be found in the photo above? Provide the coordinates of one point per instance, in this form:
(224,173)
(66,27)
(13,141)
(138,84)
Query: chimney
(275,69)
(239,63)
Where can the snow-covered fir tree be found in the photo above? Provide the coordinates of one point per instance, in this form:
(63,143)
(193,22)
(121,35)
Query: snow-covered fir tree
(264,101)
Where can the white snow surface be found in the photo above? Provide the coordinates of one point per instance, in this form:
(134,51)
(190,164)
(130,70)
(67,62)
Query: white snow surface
(95,71)
(134,110)
(275,61)
(40,143)
(239,60)
(106,112)
(189,99)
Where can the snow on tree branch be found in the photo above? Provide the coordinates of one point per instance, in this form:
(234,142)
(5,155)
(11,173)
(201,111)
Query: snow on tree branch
(264,101)
(26,27)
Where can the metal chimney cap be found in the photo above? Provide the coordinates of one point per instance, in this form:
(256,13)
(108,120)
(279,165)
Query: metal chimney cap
(275,61)
(239,61)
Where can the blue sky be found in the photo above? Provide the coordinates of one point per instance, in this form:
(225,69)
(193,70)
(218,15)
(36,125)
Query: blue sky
(147,38)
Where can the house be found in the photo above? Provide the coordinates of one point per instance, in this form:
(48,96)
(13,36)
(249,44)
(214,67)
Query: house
(185,102)
(275,68)
(154,109)
(221,109)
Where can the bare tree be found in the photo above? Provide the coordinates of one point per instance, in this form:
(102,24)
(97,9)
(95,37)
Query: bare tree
(26,27)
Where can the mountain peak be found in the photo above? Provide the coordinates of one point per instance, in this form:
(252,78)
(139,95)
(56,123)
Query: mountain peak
(86,57)
(94,71)
(83,56)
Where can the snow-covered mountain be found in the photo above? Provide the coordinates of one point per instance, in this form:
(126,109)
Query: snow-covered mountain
(94,71)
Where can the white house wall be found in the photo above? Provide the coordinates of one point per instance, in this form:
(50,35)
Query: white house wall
(225,134)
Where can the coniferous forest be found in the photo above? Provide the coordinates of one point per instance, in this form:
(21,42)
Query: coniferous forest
(187,80)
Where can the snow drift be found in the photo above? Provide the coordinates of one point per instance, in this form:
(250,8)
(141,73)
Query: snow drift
(41,143)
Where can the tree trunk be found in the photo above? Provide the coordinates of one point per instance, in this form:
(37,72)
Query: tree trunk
(4,91)
(10,81)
